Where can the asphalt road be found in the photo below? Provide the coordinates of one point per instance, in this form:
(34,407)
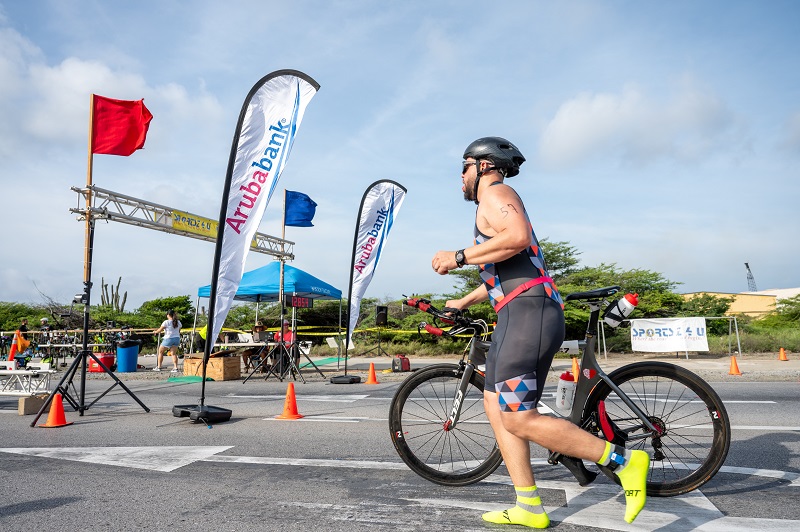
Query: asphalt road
(120,468)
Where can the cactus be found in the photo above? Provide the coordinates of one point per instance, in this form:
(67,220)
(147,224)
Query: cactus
(112,299)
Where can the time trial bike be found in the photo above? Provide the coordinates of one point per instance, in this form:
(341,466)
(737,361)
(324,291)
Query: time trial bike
(440,430)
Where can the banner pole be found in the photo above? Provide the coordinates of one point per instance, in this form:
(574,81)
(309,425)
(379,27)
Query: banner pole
(348,332)
(87,253)
(87,259)
(254,168)
(283,262)
(385,225)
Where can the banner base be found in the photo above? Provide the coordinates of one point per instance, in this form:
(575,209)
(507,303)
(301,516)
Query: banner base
(206,414)
(345,379)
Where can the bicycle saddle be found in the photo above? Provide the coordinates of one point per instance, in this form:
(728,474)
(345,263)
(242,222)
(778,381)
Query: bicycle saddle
(597,293)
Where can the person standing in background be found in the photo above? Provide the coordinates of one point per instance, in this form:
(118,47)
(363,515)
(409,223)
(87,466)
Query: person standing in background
(171,341)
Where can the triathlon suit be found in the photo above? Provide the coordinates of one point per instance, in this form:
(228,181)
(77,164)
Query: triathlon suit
(530,325)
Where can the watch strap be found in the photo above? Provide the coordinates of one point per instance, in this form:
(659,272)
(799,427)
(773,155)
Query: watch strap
(460,258)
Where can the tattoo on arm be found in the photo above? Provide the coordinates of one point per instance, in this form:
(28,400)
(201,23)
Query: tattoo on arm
(505,211)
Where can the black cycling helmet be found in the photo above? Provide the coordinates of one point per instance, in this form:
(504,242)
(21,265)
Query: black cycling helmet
(499,151)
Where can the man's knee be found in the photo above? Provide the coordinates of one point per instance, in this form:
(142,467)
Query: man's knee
(517,422)
(489,402)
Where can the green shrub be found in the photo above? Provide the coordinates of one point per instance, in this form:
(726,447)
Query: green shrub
(766,341)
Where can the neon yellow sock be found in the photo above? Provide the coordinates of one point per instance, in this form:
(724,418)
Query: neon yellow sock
(528,511)
(631,467)
(633,477)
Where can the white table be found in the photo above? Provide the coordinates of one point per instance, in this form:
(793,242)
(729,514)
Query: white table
(23,382)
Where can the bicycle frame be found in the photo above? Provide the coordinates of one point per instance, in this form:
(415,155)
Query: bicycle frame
(611,406)
(591,375)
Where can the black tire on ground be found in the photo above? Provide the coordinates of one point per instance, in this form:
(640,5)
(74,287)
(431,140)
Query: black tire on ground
(419,410)
(695,430)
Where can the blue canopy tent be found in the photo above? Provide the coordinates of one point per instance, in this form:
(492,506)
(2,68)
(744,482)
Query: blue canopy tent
(263,284)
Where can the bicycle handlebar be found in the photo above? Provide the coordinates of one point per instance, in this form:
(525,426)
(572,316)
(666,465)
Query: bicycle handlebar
(452,316)
(436,331)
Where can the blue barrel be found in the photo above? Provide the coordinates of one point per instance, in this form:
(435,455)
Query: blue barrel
(127,355)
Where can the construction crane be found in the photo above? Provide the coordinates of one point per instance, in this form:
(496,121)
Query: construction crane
(751,281)
(108,205)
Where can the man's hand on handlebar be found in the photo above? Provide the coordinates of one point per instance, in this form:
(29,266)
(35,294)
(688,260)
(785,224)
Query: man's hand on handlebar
(449,314)
(455,304)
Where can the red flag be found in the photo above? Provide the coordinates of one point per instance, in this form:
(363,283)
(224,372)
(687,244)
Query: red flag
(119,127)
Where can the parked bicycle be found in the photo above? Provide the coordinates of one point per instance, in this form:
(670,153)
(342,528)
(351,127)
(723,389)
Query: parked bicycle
(440,430)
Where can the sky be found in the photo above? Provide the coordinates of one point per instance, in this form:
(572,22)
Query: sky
(659,135)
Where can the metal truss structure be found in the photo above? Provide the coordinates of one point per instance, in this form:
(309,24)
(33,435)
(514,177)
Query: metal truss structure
(108,205)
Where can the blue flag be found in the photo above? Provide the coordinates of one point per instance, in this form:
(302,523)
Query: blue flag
(300,209)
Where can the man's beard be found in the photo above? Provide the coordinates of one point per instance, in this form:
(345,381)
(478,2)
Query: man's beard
(469,191)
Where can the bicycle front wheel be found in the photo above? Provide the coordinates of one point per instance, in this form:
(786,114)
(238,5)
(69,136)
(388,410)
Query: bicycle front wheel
(694,432)
(458,456)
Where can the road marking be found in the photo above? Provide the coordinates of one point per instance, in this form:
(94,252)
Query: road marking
(748,402)
(329,419)
(309,462)
(168,459)
(793,478)
(657,398)
(164,459)
(770,428)
(320,398)
(600,505)
(603,505)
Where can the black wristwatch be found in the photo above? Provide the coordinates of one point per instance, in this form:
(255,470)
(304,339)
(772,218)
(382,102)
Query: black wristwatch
(460,258)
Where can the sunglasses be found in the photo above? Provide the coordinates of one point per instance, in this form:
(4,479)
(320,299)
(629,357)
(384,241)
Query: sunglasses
(466,166)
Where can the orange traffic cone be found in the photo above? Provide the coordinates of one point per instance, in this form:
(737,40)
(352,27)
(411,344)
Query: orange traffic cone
(56,416)
(575,370)
(734,367)
(782,356)
(13,352)
(289,405)
(372,379)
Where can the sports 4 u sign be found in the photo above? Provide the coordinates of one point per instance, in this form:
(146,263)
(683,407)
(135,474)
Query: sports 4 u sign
(669,335)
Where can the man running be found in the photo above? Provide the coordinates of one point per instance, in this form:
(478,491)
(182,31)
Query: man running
(529,332)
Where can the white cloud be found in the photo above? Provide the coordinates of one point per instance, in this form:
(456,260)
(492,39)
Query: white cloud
(59,105)
(44,103)
(635,128)
(15,53)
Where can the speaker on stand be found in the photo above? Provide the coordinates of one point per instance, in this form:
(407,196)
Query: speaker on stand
(381,321)
(381,316)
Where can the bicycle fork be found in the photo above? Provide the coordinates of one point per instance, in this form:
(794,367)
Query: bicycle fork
(458,400)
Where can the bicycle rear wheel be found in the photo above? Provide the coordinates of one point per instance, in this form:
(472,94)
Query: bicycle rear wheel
(460,456)
(694,430)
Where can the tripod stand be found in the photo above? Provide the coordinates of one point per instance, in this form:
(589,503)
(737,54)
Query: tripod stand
(285,363)
(263,360)
(63,387)
(377,349)
(381,321)
(78,404)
